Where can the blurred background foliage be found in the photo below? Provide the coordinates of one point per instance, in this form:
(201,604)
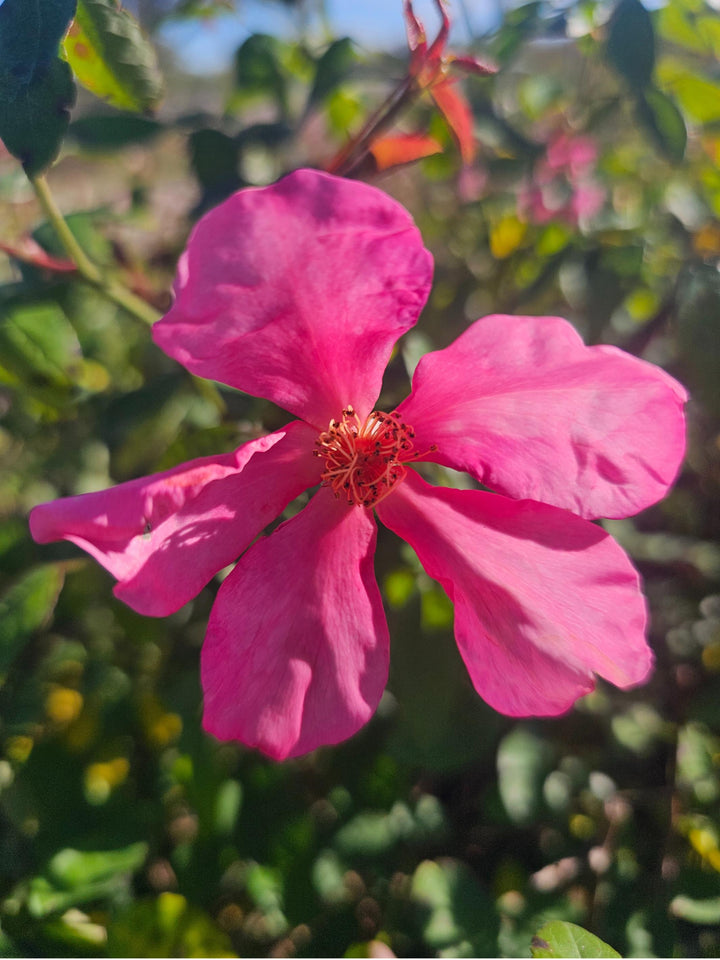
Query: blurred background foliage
(442,829)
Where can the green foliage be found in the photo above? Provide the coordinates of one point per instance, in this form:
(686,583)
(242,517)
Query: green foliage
(166,927)
(112,58)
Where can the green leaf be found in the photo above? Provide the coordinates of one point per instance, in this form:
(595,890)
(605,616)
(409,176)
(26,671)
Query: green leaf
(631,43)
(662,118)
(332,68)
(562,939)
(73,868)
(30,33)
(74,877)
(24,609)
(112,57)
(258,72)
(33,124)
(113,131)
(698,96)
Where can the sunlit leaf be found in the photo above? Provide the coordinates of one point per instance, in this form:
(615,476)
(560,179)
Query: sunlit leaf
(522,762)
(166,927)
(454,909)
(111,56)
(665,122)
(76,877)
(562,939)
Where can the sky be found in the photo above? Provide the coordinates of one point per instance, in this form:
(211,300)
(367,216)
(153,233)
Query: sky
(208,47)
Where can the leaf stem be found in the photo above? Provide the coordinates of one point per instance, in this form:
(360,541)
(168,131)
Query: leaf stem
(89,271)
(359,146)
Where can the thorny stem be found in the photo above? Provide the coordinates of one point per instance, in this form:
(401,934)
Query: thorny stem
(359,146)
(89,272)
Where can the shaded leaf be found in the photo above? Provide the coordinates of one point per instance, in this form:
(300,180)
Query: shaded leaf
(111,132)
(33,124)
(112,57)
(166,927)
(30,33)
(631,43)
(562,939)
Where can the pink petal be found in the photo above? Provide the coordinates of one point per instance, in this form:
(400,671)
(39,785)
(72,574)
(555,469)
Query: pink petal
(296,653)
(297,293)
(165,536)
(542,598)
(527,408)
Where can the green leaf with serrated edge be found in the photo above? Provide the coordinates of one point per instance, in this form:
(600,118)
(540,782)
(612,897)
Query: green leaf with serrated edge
(631,43)
(332,67)
(562,939)
(32,125)
(112,57)
(660,115)
(24,608)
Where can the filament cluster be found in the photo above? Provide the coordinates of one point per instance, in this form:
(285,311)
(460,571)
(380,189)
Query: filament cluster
(364,460)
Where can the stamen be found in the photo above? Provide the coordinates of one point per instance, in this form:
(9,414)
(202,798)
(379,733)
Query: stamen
(364,460)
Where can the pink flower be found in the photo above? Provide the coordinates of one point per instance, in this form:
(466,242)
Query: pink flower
(563,185)
(297,292)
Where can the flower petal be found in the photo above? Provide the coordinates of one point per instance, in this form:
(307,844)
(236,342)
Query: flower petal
(165,536)
(296,653)
(527,408)
(297,293)
(542,598)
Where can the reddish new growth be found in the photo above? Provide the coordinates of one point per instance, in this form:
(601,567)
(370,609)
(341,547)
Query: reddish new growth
(364,460)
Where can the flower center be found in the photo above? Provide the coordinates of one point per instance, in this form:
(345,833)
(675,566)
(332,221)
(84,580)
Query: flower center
(363,461)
